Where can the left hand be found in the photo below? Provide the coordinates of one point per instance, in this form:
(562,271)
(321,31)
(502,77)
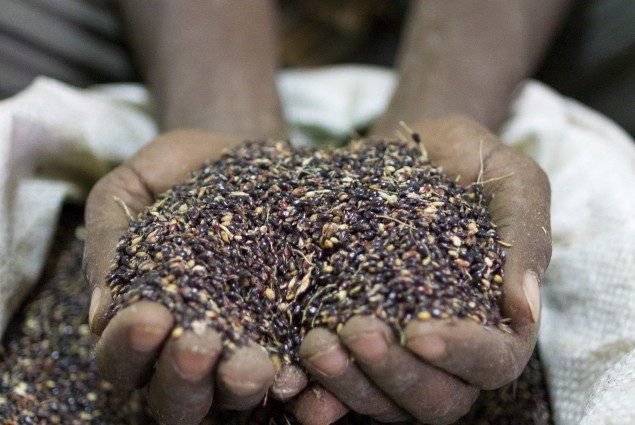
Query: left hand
(437,375)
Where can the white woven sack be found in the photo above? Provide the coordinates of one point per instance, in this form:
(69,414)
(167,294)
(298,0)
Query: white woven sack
(587,335)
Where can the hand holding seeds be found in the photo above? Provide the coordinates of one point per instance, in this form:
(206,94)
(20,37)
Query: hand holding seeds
(182,375)
(437,369)
(371,242)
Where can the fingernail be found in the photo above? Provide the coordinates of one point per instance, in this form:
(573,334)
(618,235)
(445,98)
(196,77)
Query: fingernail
(144,338)
(95,299)
(369,347)
(531,289)
(193,364)
(431,347)
(330,362)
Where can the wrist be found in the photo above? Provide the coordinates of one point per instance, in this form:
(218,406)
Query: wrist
(210,65)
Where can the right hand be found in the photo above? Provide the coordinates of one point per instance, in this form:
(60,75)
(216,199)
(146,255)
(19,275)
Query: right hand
(435,375)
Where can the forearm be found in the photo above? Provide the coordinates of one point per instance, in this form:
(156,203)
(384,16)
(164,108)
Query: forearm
(209,64)
(468,56)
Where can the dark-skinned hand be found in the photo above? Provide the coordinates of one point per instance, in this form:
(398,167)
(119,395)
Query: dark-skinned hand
(435,378)
(437,375)
(183,376)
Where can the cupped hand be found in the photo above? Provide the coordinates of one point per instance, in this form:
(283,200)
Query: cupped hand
(185,375)
(436,375)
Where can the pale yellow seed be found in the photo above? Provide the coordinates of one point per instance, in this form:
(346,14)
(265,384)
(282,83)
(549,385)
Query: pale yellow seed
(424,315)
(198,268)
(270,294)
(341,295)
(277,362)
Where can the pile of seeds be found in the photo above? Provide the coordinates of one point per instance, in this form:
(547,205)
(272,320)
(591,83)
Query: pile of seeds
(47,372)
(272,240)
(48,375)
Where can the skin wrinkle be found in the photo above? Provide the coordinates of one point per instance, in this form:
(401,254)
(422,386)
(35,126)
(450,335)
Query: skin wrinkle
(146,192)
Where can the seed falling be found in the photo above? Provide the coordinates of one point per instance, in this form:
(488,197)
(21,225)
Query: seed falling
(273,240)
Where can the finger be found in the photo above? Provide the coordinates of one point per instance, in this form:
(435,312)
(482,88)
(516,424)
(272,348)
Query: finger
(131,343)
(244,377)
(520,208)
(106,221)
(317,406)
(428,393)
(288,382)
(485,357)
(329,363)
(127,190)
(181,389)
